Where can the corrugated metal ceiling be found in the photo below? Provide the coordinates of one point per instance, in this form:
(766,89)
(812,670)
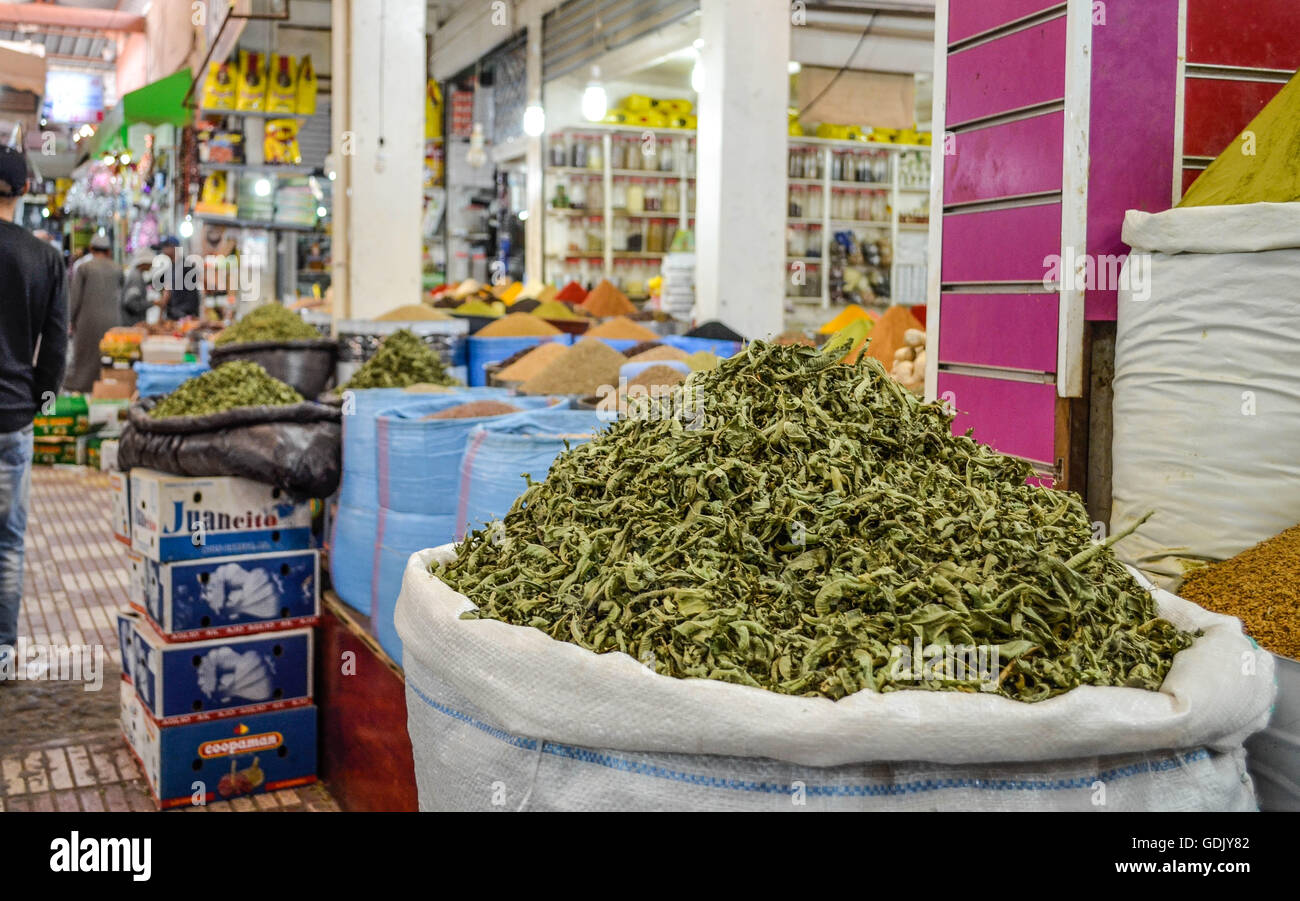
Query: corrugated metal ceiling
(67,43)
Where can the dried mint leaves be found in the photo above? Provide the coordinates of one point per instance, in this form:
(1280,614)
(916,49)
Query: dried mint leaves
(238,383)
(402,360)
(269,322)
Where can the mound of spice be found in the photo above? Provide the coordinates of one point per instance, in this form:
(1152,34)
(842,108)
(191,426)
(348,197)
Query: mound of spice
(1261,587)
(517,325)
(606,300)
(659,353)
(572,292)
(622,328)
(401,361)
(582,369)
(887,334)
(412,312)
(795,337)
(269,322)
(477,307)
(554,309)
(714,330)
(810,524)
(532,361)
(703,359)
(527,305)
(641,348)
(657,377)
(474,409)
(238,383)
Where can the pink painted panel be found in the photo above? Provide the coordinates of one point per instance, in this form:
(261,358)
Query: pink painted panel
(1131,141)
(1014,331)
(1015,71)
(1022,157)
(1001,245)
(1013,417)
(1041,481)
(971,17)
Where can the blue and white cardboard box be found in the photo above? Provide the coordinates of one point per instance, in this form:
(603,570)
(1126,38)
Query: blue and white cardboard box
(119,486)
(198,763)
(203,680)
(126,623)
(135,579)
(183,518)
(131,715)
(236,595)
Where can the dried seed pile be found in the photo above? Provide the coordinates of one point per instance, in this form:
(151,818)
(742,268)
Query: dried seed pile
(401,361)
(657,377)
(581,369)
(532,361)
(269,322)
(1261,586)
(474,409)
(238,383)
(809,522)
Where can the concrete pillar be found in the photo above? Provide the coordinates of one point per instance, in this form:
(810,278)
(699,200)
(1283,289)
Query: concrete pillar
(533,228)
(741,165)
(379,154)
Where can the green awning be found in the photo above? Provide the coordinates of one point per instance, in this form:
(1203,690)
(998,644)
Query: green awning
(159,103)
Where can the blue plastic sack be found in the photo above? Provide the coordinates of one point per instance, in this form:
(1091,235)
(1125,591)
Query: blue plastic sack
(399,536)
(694,345)
(360,488)
(485,351)
(500,451)
(352,552)
(154,379)
(419,459)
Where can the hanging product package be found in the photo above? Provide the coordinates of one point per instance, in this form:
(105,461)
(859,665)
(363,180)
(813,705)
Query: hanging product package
(282,86)
(306,88)
(1206,411)
(251,95)
(219,86)
(281,144)
(296,447)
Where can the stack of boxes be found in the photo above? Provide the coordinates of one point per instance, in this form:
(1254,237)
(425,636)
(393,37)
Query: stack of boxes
(217,651)
(73,431)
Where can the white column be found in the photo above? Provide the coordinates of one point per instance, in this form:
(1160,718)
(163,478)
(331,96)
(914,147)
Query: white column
(533,263)
(741,165)
(383,129)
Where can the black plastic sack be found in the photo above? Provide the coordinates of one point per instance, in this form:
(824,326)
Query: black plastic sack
(307,366)
(297,448)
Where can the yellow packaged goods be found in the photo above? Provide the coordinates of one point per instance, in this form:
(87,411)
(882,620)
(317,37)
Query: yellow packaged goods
(251,94)
(432,111)
(281,146)
(620,327)
(412,312)
(584,369)
(214,188)
(553,309)
(532,362)
(516,325)
(219,87)
(851,313)
(306,105)
(481,308)
(282,86)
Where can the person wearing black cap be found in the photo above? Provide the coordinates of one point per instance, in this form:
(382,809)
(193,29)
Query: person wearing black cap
(93,309)
(33,350)
(180,297)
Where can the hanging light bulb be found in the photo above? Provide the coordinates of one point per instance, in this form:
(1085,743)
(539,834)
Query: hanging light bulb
(186,227)
(534,120)
(594,101)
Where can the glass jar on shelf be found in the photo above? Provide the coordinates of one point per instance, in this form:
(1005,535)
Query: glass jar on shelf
(792,239)
(619,235)
(862,205)
(813,207)
(574,238)
(813,246)
(837,165)
(618,194)
(595,235)
(617,152)
(654,196)
(578,193)
(690,197)
(689,162)
(560,198)
(635,196)
(634,158)
(673,196)
(634,286)
(635,234)
(880,207)
(577,151)
(595,194)
(655,236)
(880,166)
(795,209)
(668,155)
(559,150)
(596,152)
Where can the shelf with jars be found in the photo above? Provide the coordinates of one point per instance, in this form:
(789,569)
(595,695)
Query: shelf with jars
(615,194)
(848,202)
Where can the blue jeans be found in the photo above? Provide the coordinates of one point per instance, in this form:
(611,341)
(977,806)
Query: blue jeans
(15,493)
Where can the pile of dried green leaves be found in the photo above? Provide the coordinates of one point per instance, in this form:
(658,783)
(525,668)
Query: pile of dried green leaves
(269,322)
(815,521)
(234,384)
(401,361)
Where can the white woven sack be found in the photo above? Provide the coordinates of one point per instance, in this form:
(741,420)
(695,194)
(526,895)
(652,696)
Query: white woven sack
(497,711)
(1207,409)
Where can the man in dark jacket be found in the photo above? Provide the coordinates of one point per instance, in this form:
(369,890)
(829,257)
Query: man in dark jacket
(33,353)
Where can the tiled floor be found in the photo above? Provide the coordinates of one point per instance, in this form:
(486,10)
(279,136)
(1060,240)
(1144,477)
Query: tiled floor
(60,748)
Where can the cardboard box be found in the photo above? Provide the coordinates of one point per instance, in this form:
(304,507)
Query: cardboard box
(164,349)
(235,595)
(178,518)
(223,759)
(126,623)
(202,680)
(53,451)
(119,486)
(108,459)
(131,716)
(69,418)
(135,586)
(103,390)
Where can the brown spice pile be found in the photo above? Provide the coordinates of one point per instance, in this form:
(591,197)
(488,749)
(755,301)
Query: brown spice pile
(531,363)
(657,377)
(1260,585)
(641,348)
(412,312)
(606,300)
(886,336)
(516,325)
(659,354)
(474,409)
(622,328)
(581,369)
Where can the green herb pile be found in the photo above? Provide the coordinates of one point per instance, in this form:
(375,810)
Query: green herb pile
(234,384)
(815,520)
(401,361)
(269,322)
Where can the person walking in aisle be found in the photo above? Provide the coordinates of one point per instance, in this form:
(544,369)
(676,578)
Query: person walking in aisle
(180,298)
(135,294)
(93,306)
(33,349)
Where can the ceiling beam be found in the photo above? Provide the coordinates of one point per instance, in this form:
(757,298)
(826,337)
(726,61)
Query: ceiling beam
(47,14)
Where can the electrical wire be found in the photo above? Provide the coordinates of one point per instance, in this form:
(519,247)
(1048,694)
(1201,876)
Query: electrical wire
(844,68)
